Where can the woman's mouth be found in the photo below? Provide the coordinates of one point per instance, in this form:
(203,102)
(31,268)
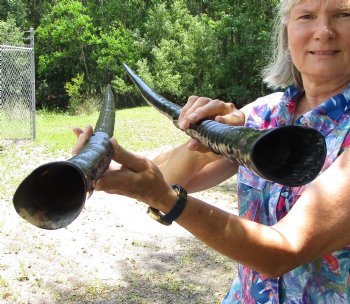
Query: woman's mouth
(324,53)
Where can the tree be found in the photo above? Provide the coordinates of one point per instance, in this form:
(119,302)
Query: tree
(207,48)
(10,33)
(14,10)
(181,47)
(130,13)
(244,33)
(181,51)
(115,46)
(37,9)
(66,38)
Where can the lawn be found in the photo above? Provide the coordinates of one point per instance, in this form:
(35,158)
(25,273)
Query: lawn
(138,129)
(113,252)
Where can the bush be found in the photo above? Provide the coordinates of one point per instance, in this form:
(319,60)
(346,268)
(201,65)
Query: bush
(73,90)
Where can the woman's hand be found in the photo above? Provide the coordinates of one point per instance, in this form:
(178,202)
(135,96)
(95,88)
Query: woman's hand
(82,136)
(131,175)
(199,108)
(138,178)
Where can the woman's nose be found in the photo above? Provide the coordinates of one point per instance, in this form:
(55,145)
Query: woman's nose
(324,30)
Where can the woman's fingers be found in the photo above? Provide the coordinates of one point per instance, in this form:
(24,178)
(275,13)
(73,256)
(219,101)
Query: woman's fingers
(129,174)
(113,181)
(132,161)
(77,131)
(196,145)
(199,108)
(235,118)
(83,136)
(121,180)
(195,110)
(190,102)
(138,177)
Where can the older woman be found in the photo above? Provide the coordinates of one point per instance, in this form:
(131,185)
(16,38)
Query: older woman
(292,243)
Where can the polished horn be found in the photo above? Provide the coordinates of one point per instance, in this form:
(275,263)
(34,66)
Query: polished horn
(53,195)
(289,155)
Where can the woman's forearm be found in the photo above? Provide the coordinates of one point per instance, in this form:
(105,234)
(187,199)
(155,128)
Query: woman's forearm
(258,246)
(193,170)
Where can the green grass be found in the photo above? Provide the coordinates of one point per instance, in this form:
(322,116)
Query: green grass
(137,129)
(14,127)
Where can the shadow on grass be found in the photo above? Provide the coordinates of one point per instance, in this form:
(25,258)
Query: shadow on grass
(190,273)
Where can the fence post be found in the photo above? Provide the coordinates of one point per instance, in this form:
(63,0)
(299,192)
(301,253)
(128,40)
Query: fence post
(31,31)
(1,79)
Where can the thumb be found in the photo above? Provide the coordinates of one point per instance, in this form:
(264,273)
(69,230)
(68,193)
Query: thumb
(83,137)
(196,145)
(132,161)
(233,119)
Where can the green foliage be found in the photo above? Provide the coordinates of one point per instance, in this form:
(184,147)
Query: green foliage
(184,51)
(130,13)
(16,10)
(244,32)
(114,47)
(180,47)
(73,89)
(10,33)
(65,40)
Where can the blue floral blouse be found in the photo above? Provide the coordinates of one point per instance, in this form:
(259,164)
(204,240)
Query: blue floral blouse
(325,280)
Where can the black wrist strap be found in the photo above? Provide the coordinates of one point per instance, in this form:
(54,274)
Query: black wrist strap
(175,212)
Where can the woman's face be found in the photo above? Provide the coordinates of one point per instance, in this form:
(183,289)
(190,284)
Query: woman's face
(319,39)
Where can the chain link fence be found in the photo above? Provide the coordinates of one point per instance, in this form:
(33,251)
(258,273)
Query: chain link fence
(17,90)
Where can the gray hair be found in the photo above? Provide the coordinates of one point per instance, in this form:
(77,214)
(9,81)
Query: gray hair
(281,72)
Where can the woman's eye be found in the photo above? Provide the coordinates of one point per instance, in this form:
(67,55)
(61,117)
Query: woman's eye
(305,17)
(344,15)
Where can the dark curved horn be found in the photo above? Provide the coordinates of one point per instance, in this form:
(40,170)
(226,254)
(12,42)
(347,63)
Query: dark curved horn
(53,195)
(290,155)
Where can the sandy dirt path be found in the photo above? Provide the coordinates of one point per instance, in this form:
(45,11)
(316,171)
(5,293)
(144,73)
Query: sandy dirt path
(112,253)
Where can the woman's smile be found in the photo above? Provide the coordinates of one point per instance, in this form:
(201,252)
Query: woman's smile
(326,53)
(319,40)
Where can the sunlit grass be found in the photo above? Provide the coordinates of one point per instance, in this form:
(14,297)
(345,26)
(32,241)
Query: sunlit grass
(54,130)
(137,129)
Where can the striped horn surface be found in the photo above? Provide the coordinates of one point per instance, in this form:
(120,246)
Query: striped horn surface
(53,195)
(289,155)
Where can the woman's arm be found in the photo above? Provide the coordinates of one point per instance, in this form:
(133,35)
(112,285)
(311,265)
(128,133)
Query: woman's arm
(318,223)
(192,165)
(196,171)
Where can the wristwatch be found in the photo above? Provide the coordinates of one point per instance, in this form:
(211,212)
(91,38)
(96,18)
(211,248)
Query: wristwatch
(175,212)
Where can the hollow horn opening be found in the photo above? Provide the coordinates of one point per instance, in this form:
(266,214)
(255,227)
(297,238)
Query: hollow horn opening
(291,156)
(52,196)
